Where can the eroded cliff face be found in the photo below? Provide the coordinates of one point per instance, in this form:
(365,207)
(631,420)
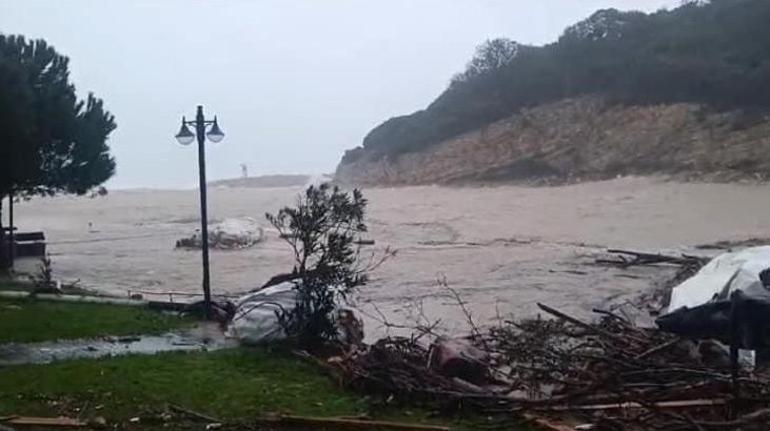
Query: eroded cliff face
(584,139)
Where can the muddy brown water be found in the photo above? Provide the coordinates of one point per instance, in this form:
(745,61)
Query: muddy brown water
(503,248)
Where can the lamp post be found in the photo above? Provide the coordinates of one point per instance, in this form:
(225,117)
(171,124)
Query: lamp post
(185,137)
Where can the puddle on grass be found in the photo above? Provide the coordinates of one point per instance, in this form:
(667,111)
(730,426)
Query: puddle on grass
(202,338)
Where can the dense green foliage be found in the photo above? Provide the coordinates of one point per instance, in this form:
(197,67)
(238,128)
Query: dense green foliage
(50,142)
(716,53)
(322,230)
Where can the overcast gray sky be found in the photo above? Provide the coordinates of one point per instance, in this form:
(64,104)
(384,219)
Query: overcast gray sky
(294,82)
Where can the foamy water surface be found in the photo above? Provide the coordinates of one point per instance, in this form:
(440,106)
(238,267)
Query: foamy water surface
(503,248)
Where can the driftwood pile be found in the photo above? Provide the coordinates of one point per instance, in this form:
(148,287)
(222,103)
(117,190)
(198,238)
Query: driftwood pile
(687,265)
(606,375)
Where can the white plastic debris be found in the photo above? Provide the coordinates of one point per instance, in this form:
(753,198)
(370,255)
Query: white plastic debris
(231,233)
(256,314)
(256,317)
(723,275)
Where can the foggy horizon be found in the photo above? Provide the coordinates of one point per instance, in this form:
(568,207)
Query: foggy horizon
(294,85)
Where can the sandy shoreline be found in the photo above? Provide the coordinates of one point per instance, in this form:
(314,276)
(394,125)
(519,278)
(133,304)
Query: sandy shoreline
(503,248)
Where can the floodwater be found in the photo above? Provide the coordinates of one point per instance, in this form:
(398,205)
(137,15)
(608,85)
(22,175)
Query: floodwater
(204,337)
(502,248)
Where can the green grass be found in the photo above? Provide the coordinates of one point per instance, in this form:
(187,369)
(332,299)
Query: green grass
(235,385)
(29,320)
(227,384)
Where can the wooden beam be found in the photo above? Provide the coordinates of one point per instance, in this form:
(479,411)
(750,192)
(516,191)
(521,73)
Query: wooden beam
(313,422)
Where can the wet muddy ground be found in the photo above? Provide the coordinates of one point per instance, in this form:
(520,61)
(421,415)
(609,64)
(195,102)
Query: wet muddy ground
(203,337)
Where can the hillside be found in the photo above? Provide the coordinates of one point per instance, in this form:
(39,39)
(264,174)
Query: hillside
(585,139)
(677,91)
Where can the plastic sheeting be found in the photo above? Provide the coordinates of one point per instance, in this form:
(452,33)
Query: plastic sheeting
(723,275)
(256,319)
(700,306)
(231,233)
(256,316)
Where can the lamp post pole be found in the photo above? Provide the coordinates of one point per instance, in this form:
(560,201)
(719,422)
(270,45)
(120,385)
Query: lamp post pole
(185,137)
(200,132)
(11,233)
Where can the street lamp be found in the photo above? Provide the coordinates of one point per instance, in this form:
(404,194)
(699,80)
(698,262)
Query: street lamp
(185,137)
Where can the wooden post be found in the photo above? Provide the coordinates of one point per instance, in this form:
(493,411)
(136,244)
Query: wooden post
(11,243)
(736,302)
(3,248)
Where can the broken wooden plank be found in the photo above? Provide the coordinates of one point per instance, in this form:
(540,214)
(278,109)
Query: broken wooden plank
(634,405)
(61,421)
(313,422)
(180,409)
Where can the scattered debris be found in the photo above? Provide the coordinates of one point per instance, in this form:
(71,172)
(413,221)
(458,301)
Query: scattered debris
(611,374)
(98,422)
(731,244)
(654,301)
(453,357)
(627,258)
(230,234)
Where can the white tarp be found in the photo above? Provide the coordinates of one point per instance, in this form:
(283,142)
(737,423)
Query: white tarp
(255,319)
(725,274)
(236,233)
(229,234)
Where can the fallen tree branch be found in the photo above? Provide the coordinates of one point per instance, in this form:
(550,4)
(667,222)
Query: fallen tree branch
(579,323)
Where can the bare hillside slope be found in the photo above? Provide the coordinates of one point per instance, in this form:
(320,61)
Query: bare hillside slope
(580,139)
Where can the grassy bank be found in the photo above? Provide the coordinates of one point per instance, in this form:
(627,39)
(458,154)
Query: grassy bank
(235,385)
(29,320)
(229,384)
